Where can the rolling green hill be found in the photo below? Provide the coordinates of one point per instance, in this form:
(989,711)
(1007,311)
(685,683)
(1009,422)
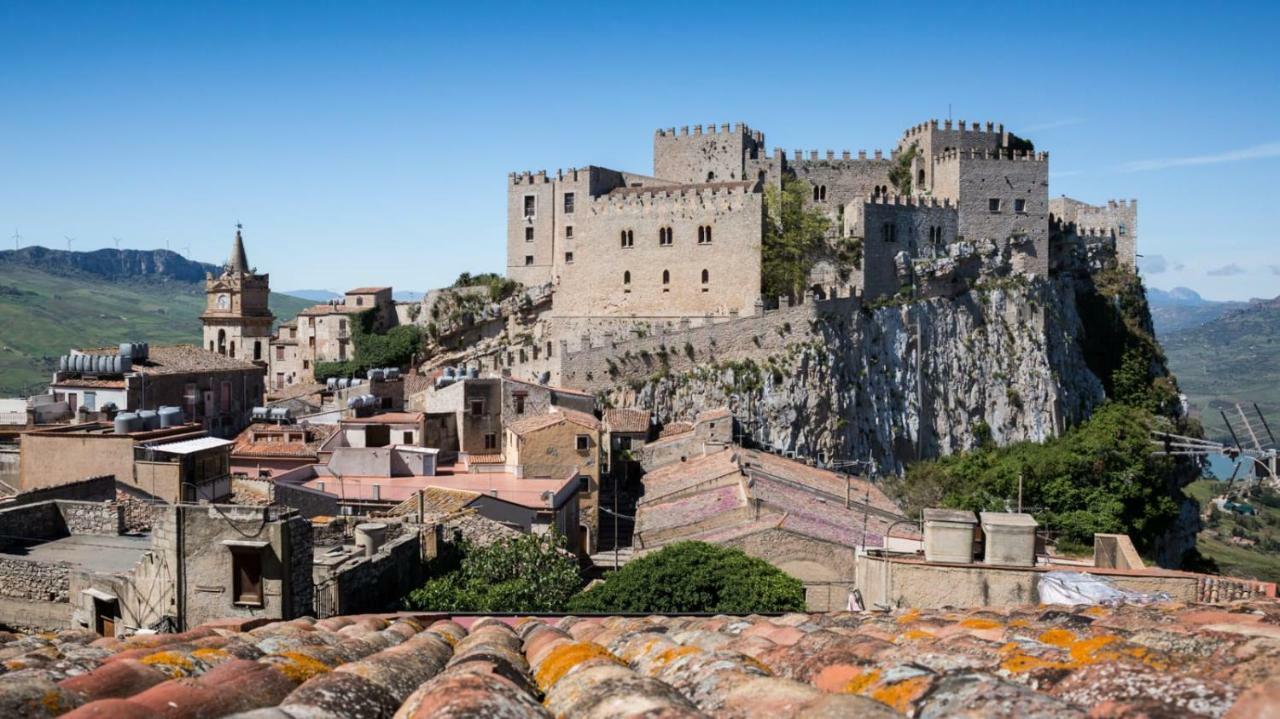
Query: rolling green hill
(1234,358)
(51,301)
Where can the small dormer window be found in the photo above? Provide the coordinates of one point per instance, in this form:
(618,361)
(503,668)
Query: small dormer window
(583,442)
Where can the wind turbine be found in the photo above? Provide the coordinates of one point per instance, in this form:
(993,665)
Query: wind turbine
(69,241)
(16,238)
(117,241)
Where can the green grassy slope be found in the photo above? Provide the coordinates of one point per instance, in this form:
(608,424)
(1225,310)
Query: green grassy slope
(43,315)
(1260,561)
(1235,358)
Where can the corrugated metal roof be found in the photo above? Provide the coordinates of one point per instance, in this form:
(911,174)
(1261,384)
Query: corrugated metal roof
(191,446)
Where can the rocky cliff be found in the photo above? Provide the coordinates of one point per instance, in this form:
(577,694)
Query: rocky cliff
(903,380)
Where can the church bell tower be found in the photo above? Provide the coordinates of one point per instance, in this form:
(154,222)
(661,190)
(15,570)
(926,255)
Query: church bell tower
(237,321)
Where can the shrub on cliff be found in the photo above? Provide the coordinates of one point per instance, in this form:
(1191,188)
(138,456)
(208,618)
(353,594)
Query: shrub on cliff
(694,577)
(1098,477)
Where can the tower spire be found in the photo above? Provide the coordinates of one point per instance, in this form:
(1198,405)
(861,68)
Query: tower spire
(239,262)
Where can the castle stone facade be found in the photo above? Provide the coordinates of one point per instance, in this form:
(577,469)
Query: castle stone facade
(686,241)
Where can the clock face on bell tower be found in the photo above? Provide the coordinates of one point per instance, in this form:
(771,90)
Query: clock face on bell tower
(224,301)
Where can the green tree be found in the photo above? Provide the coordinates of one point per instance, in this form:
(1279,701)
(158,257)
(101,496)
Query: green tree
(793,236)
(525,573)
(900,172)
(394,348)
(694,577)
(1098,477)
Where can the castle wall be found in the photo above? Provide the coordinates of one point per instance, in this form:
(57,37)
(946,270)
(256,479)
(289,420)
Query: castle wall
(889,225)
(716,155)
(845,179)
(972,180)
(933,138)
(595,283)
(606,365)
(1117,219)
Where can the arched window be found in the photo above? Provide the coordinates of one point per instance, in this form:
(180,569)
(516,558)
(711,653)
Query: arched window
(666,280)
(626,278)
(815,193)
(821,192)
(708,234)
(920,178)
(210,345)
(628,238)
(711,176)
(257,350)
(222,342)
(233,350)
(664,236)
(706,280)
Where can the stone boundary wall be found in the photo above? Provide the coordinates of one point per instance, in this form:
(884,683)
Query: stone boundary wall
(35,581)
(309,502)
(753,338)
(93,489)
(95,518)
(368,583)
(39,521)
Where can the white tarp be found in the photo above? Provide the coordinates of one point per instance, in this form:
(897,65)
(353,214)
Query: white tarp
(1084,588)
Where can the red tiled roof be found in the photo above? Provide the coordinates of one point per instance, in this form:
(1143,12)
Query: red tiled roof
(368,290)
(245,446)
(554,417)
(628,421)
(328,309)
(1050,661)
(387,418)
(671,429)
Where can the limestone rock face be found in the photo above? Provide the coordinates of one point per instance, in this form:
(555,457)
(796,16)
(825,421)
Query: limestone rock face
(904,381)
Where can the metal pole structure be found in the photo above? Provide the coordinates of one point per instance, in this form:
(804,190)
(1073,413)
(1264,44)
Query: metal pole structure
(1019,491)
(1263,419)
(615,519)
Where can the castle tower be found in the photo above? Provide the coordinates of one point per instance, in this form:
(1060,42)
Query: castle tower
(237,321)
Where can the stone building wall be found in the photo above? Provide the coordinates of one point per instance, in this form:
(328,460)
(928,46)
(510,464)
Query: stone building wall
(1118,220)
(32,581)
(972,181)
(367,584)
(716,155)
(933,139)
(596,282)
(889,225)
(845,178)
(95,518)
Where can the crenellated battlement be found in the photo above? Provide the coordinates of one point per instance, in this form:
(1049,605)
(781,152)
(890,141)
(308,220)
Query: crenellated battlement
(830,155)
(529,178)
(1023,155)
(1122,204)
(909,201)
(946,125)
(724,128)
(631,196)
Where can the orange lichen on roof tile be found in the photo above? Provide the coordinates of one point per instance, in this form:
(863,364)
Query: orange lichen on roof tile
(565,657)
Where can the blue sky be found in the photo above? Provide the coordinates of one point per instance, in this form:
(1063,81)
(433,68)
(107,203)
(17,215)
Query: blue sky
(369,143)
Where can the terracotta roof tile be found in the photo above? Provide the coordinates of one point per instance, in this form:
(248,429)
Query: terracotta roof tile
(1021,661)
(554,417)
(630,421)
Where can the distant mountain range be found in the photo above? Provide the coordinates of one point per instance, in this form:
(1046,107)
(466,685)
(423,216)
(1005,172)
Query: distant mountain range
(326,295)
(54,300)
(1233,356)
(1182,308)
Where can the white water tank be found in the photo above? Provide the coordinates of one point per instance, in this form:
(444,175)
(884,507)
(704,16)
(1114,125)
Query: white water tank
(370,536)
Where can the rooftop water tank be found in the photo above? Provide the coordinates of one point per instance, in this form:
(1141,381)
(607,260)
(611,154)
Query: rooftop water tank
(393,373)
(448,372)
(125,422)
(948,535)
(150,420)
(260,413)
(170,416)
(370,536)
(1010,538)
(375,375)
(473,372)
(280,414)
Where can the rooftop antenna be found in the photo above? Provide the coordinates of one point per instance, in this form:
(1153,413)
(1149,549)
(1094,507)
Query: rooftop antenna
(16,238)
(69,241)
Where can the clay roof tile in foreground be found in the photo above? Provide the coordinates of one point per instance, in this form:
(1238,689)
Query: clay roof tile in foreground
(1046,661)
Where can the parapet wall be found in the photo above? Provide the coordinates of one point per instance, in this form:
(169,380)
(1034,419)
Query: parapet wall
(603,366)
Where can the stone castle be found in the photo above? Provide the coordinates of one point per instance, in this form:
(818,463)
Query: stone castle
(686,240)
